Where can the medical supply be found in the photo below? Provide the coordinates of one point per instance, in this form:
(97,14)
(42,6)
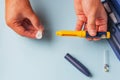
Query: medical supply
(106,61)
(39,35)
(83,34)
(111,7)
(78,65)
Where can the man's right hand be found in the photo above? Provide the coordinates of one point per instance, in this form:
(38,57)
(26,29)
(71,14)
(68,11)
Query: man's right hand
(92,13)
(21,18)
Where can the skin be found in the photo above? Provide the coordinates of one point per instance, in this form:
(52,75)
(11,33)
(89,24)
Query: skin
(92,13)
(21,18)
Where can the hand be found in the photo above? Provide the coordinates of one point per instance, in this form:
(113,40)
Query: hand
(21,18)
(93,14)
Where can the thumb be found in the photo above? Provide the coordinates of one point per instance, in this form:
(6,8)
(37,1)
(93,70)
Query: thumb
(91,25)
(36,22)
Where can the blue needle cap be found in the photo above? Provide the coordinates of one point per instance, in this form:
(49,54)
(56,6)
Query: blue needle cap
(78,65)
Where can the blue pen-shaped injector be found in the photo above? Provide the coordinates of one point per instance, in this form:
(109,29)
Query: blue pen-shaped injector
(78,65)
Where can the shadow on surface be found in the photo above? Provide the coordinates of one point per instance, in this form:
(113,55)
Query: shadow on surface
(40,10)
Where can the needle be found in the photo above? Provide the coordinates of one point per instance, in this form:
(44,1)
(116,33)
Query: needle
(106,61)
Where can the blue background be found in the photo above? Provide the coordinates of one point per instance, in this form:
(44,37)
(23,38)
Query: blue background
(26,59)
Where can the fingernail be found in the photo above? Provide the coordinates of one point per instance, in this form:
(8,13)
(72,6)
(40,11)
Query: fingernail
(39,35)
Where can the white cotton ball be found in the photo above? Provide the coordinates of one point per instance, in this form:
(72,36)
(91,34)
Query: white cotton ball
(39,35)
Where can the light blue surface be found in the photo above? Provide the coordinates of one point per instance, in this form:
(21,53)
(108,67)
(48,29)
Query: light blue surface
(25,59)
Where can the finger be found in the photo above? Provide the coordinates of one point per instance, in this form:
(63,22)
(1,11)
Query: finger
(91,25)
(78,7)
(80,15)
(28,25)
(89,39)
(30,34)
(23,32)
(79,25)
(101,24)
(102,20)
(102,28)
(96,39)
(80,21)
(35,22)
(29,28)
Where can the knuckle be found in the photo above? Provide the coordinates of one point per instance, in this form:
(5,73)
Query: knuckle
(8,22)
(20,32)
(91,24)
